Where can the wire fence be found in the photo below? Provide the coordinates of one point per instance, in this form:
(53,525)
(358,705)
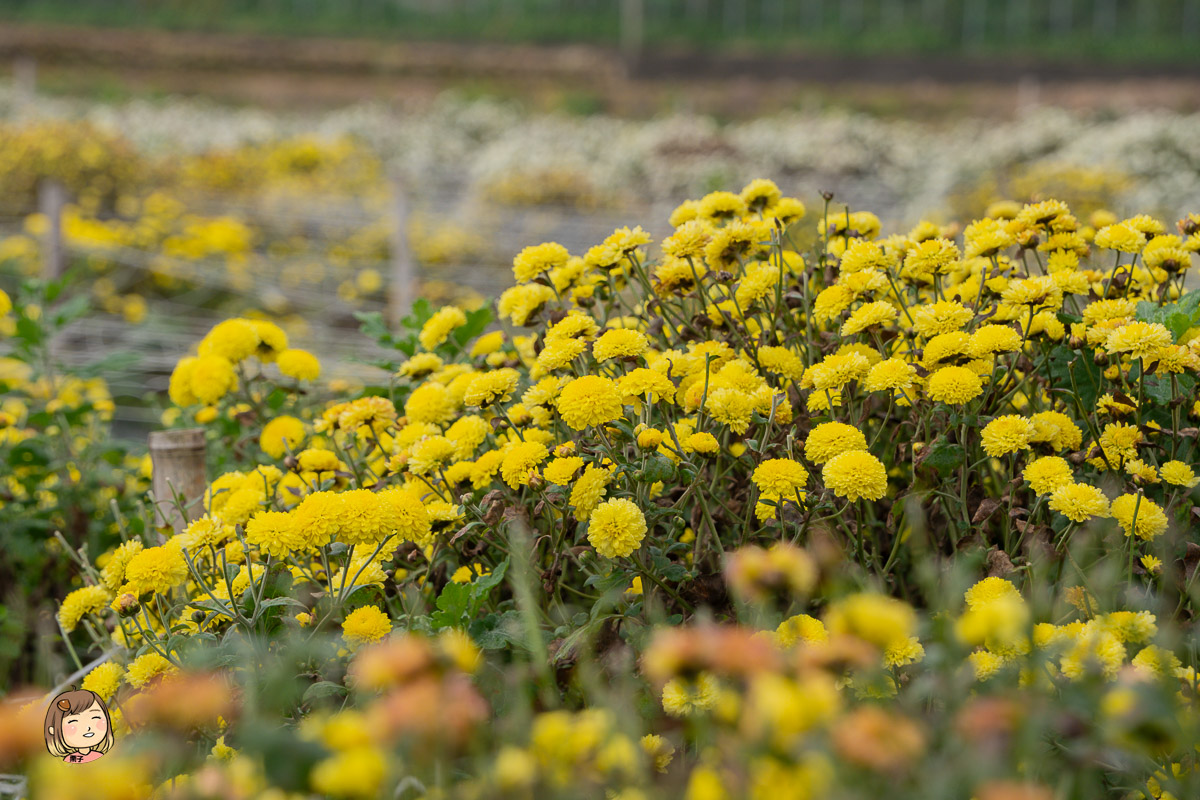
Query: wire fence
(175,324)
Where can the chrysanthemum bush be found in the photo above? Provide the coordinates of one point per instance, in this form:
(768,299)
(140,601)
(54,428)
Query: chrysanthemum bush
(65,483)
(908,514)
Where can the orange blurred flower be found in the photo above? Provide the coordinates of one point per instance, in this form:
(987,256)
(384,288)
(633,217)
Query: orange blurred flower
(878,739)
(182,701)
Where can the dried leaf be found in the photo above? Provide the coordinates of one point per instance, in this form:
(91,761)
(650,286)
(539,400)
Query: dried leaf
(999,564)
(1121,397)
(986,508)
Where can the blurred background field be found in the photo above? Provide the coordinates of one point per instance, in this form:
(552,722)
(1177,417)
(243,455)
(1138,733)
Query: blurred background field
(183,210)
(1128,30)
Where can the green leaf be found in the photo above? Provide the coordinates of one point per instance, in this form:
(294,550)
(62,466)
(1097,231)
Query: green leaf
(623,426)
(1189,303)
(276,399)
(323,689)
(605,583)
(282,601)
(452,605)
(1177,317)
(40,419)
(481,586)
(407,346)
(675,573)
(29,331)
(119,361)
(574,642)
(209,606)
(943,456)
(28,454)
(385,364)
(422,310)
(497,631)
(54,289)
(476,321)
(71,310)
(208,619)
(1177,323)
(286,758)
(658,468)
(1158,387)
(1065,364)
(1148,312)
(371,324)
(368,587)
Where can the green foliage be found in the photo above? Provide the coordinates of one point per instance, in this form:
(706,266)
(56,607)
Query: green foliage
(943,455)
(65,473)
(459,603)
(1176,317)
(1069,369)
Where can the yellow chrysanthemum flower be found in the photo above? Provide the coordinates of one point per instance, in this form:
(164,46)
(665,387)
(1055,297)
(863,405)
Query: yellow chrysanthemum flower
(589,401)
(616,528)
(855,474)
(365,625)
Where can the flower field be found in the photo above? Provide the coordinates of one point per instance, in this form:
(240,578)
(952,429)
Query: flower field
(789,502)
(885,489)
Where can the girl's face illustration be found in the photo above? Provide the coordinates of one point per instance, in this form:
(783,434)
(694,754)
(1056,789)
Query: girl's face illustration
(85,729)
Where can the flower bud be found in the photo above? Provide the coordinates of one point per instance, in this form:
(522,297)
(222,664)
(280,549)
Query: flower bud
(649,439)
(126,605)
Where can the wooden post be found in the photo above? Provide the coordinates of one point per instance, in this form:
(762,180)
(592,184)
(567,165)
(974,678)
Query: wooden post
(52,196)
(1028,91)
(401,287)
(178,467)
